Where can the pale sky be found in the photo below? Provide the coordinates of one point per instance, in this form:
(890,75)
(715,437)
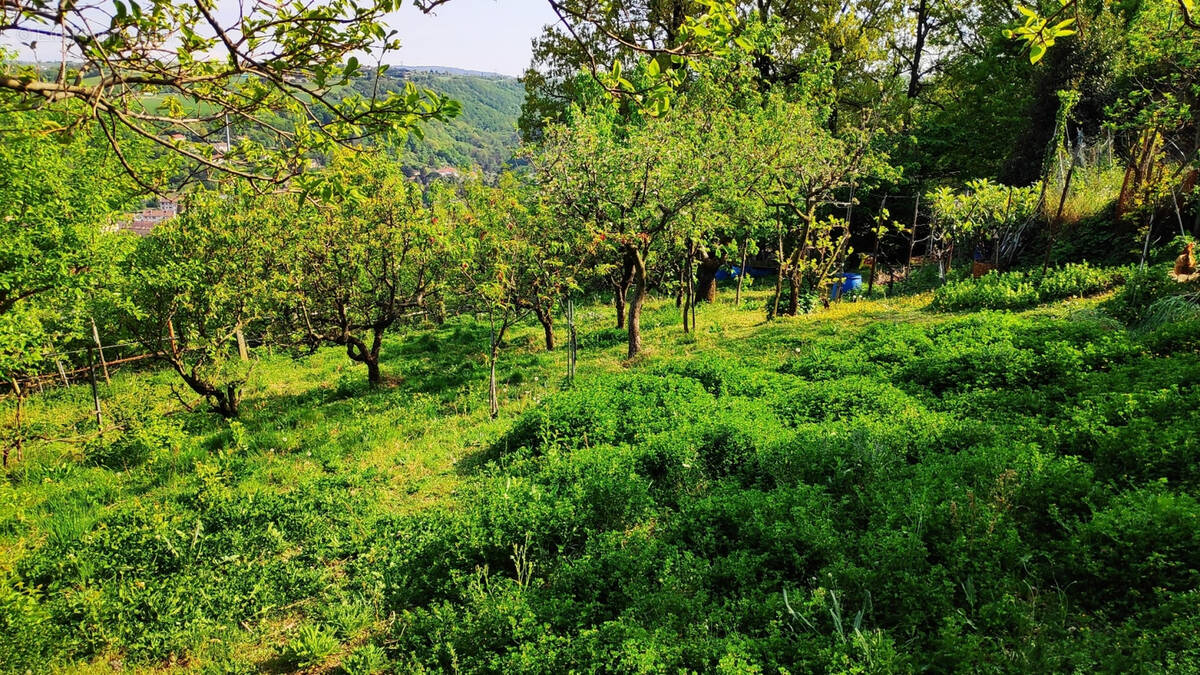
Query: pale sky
(487,35)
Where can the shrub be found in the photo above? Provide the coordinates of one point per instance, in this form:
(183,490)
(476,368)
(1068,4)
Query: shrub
(1019,290)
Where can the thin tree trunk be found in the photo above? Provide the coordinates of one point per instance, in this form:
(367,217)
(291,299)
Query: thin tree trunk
(493,398)
(689,291)
(778,276)
(737,298)
(62,372)
(635,304)
(1057,222)
(875,251)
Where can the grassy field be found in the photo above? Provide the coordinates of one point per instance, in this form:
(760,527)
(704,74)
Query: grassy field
(874,488)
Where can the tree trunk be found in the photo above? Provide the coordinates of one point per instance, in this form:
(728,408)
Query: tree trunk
(546,318)
(774,311)
(226,402)
(374,375)
(622,289)
(358,351)
(914,66)
(635,304)
(706,278)
(1056,223)
(687,287)
(794,292)
(493,397)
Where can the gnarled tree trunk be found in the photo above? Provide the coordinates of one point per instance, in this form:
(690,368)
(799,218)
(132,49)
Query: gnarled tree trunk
(546,318)
(706,278)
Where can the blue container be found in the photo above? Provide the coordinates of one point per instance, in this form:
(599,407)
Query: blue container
(849,284)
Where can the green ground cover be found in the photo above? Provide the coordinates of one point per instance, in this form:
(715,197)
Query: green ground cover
(878,487)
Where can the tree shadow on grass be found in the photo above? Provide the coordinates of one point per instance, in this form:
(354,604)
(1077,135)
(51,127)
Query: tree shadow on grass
(441,361)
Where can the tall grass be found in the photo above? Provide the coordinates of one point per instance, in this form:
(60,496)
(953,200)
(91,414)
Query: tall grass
(1093,189)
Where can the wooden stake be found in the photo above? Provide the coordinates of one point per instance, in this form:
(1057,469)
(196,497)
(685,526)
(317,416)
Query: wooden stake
(62,372)
(95,391)
(17,423)
(737,298)
(100,351)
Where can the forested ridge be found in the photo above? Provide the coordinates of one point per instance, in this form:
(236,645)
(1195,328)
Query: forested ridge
(735,337)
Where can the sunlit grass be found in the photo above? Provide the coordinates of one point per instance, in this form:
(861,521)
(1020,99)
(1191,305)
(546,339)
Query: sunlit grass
(1093,189)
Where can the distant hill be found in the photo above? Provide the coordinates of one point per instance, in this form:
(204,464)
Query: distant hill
(449,70)
(484,135)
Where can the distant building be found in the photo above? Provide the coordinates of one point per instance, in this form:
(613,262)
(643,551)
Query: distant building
(142,222)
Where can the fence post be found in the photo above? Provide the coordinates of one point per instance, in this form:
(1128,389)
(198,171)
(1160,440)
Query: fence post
(95,392)
(100,351)
(912,235)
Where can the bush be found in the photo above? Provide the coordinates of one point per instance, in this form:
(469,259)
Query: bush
(1020,290)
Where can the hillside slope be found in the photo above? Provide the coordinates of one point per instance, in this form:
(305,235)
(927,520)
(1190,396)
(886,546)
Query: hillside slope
(876,488)
(484,135)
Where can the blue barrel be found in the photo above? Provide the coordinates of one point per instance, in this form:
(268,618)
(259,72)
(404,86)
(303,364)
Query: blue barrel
(848,284)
